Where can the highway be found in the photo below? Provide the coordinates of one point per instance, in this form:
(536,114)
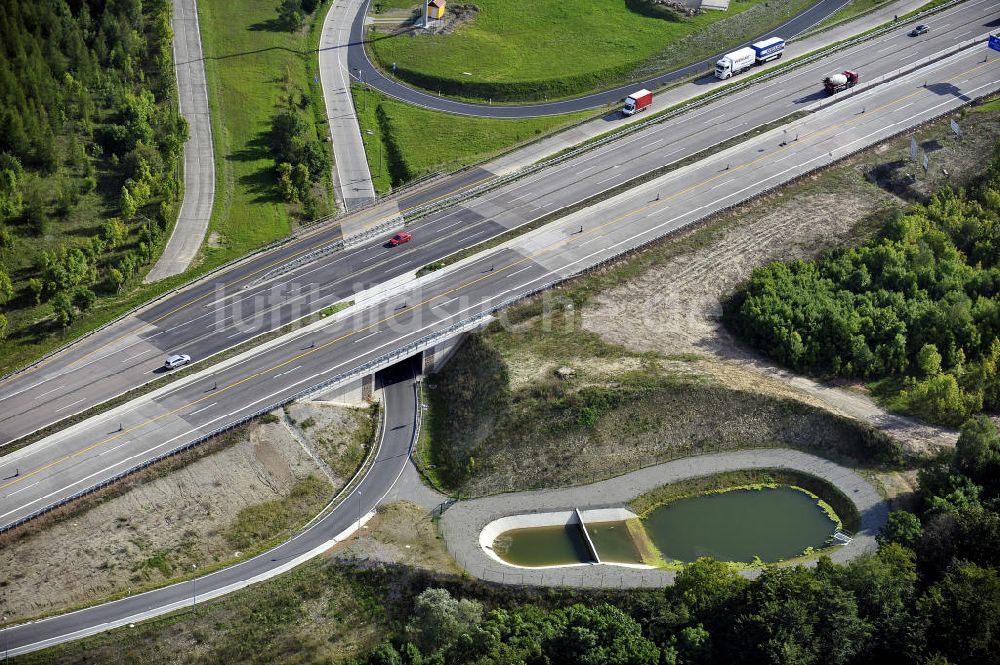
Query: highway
(67,462)
(247,300)
(362,67)
(400,419)
(553,252)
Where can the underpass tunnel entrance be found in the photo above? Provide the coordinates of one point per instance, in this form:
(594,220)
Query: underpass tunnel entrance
(404,370)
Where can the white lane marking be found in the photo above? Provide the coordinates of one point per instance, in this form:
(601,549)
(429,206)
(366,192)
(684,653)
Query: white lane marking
(141,353)
(238,332)
(714,119)
(807,162)
(600,182)
(887,48)
(287,371)
(49,391)
(70,404)
(203,408)
(23,488)
(366,336)
(516,272)
(111,449)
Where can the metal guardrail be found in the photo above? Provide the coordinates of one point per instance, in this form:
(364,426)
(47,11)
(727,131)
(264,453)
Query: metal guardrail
(419,212)
(466,324)
(663,117)
(462,326)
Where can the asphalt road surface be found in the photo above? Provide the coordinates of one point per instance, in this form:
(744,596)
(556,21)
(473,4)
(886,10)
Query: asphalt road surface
(61,465)
(246,301)
(555,251)
(199,160)
(362,67)
(398,429)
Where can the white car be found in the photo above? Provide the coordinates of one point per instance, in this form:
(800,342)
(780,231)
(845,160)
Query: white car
(177,361)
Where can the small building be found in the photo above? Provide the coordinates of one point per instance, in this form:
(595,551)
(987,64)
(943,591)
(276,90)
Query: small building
(435,9)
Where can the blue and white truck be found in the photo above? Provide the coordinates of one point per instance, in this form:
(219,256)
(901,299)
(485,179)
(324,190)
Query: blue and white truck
(768,49)
(743,59)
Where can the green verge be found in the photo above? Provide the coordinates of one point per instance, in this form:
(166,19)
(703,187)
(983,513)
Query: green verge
(516,51)
(405,142)
(318,612)
(250,62)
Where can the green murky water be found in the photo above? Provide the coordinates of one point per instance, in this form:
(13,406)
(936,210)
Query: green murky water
(613,542)
(542,546)
(773,524)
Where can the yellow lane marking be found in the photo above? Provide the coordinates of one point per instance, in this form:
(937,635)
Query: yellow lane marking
(326,240)
(491,275)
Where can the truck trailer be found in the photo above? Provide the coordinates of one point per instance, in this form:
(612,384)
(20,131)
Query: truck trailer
(637,101)
(838,82)
(768,49)
(736,62)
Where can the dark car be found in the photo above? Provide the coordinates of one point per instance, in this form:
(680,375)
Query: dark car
(400,238)
(919,30)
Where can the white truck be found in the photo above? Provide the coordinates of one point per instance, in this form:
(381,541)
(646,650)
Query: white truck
(743,59)
(736,62)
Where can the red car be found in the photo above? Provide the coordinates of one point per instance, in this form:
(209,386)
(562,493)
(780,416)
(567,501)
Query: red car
(400,238)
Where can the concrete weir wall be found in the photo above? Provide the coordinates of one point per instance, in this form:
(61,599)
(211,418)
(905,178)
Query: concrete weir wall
(578,517)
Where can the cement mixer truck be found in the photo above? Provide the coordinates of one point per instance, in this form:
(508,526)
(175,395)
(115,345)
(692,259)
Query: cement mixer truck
(838,82)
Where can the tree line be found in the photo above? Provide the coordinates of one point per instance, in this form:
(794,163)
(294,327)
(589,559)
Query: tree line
(930,595)
(90,143)
(917,304)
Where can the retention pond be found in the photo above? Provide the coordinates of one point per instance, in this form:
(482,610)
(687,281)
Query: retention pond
(772,524)
(769,524)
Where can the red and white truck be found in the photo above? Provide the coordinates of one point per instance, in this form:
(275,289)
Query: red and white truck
(637,101)
(838,82)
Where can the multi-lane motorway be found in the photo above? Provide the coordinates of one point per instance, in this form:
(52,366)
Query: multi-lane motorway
(553,252)
(247,300)
(397,435)
(202,319)
(67,462)
(362,67)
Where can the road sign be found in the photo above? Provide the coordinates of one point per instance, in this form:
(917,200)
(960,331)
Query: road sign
(994,42)
(913,148)
(925,163)
(955,128)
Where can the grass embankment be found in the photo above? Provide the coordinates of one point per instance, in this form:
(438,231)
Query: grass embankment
(313,614)
(250,64)
(404,142)
(515,51)
(616,412)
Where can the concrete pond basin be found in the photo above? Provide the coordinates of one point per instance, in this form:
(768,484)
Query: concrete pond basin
(587,535)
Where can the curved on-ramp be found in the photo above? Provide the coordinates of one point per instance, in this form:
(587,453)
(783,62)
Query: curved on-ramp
(400,424)
(199,160)
(362,68)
